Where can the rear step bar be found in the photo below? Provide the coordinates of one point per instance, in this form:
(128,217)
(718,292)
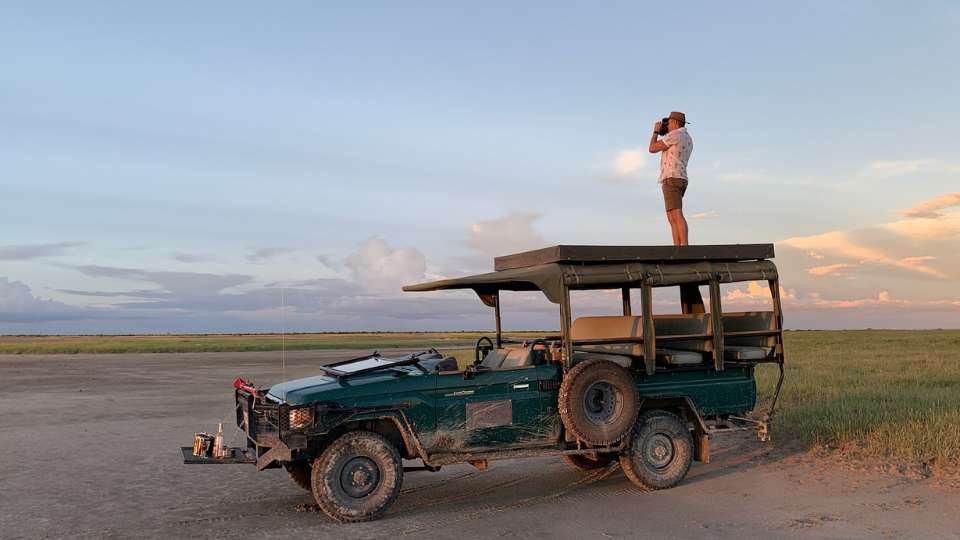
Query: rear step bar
(239,455)
(739,423)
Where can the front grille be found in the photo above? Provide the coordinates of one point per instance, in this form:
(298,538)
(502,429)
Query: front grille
(257,417)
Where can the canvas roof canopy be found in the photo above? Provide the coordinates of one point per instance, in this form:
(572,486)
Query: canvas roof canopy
(551,277)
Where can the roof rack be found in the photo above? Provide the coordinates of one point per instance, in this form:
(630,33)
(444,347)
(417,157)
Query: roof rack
(581,254)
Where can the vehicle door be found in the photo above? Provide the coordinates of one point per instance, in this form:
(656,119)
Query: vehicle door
(490,409)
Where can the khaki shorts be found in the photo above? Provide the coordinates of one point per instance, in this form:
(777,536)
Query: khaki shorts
(673,190)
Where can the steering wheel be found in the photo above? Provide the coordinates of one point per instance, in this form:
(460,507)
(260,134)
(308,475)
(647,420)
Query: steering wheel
(481,351)
(538,351)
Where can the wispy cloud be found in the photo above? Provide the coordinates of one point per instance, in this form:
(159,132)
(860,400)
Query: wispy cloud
(844,245)
(743,176)
(267,253)
(829,269)
(190,257)
(22,252)
(931,207)
(886,168)
(705,215)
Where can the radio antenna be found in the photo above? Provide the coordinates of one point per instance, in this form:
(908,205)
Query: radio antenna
(283,338)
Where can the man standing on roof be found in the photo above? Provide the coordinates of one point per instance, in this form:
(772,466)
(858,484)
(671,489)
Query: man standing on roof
(676,145)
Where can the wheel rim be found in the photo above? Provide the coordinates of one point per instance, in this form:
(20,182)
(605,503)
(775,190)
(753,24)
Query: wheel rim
(601,403)
(658,451)
(359,477)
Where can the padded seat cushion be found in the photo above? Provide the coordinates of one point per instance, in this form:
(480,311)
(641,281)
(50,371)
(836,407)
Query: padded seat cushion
(744,352)
(677,357)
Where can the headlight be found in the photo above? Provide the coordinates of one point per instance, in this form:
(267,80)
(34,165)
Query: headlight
(300,418)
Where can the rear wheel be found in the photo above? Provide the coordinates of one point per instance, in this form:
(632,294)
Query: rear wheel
(299,472)
(357,477)
(588,462)
(659,451)
(598,402)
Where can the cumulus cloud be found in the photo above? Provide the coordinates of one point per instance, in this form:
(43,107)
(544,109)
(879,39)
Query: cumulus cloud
(628,162)
(509,234)
(267,253)
(22,252)
(378,267)
(19,305)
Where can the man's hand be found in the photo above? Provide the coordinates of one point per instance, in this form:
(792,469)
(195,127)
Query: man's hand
(655,144)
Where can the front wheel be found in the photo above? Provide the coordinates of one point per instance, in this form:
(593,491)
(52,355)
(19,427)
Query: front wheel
(659,451)
(357,477)
(300,472)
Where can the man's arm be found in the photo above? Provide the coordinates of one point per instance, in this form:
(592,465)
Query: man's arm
(656,145)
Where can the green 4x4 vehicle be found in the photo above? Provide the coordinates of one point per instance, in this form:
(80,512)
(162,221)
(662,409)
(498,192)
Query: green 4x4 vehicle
(648,391)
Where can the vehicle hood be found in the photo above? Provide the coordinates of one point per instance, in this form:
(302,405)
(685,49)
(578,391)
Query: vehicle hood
(346,391)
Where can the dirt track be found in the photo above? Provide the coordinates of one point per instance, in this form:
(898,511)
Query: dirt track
(90,449)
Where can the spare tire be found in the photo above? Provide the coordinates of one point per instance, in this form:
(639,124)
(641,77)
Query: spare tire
(598,402)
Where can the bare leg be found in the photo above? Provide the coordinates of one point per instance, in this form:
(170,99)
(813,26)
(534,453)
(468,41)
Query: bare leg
(678,226)
(681,227)
(673,228)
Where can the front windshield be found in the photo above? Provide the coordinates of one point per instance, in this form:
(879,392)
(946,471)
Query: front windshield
(365,364)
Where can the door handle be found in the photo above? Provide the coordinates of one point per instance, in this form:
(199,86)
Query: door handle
(521,386)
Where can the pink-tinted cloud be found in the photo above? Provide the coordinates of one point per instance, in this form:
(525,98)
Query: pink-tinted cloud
(931,208)
(829,269)
(842,244)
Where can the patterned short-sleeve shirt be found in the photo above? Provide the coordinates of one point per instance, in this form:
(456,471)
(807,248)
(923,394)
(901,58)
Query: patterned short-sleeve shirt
(673,160)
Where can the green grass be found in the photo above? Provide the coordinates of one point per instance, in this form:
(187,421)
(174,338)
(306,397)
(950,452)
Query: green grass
(234,342)
(869,394)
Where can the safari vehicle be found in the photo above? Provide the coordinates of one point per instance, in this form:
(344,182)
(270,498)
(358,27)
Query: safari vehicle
(648,391)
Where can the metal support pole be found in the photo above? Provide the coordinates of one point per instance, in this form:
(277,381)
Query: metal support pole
(716,323)
(777,315)
(565,325)
(625,294)
(496,312)
(649,332)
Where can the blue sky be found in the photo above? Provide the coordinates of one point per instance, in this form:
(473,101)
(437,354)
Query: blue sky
(170,167)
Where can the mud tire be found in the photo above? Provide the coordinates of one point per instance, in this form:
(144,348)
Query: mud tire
(585,463)
(357,477)
(659,451)
(598,402)
(299,472)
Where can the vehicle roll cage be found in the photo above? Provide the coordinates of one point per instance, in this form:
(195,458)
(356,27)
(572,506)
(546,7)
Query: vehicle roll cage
(558,270)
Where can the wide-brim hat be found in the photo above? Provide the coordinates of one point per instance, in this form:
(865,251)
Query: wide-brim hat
(678,116)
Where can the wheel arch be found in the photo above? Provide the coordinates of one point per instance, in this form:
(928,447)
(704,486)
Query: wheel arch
(392,425)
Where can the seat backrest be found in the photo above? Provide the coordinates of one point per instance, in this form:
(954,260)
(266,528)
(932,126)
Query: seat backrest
(617,326)
(686,324)
(746,321)
(517,358)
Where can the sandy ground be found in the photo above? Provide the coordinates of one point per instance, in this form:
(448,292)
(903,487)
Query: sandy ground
(90,448)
